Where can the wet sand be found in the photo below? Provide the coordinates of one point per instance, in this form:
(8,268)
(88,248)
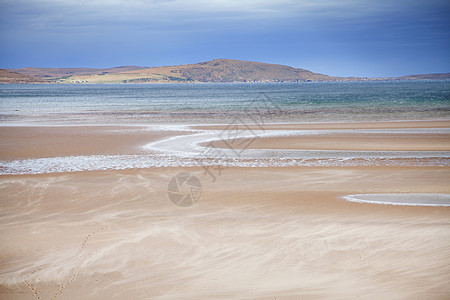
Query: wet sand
(20,142)
(255,233)
(351,142)
(369,136)
(322,126)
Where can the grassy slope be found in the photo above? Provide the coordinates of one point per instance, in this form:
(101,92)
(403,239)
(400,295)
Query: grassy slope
(13,77)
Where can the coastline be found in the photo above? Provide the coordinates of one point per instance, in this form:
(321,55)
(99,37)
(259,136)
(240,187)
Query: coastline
(341,80)
(57,149)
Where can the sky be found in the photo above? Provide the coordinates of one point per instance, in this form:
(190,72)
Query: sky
(367,38)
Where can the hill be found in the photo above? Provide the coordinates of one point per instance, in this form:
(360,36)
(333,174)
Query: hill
(227,70)
(442,76)
(13,77)
(61,74)
(217,70)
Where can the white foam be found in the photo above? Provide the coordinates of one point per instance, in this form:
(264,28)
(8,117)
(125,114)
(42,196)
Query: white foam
(185,150)
(402,199)
(122,162)
(189,145)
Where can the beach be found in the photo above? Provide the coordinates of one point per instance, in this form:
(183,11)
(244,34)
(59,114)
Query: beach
(216,150)
(269,229)
(222,150)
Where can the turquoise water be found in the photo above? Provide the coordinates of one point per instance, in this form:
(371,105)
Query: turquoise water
(157,105)
(219,103)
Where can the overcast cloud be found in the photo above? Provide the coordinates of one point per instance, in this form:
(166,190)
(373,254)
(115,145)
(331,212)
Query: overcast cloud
(348,37)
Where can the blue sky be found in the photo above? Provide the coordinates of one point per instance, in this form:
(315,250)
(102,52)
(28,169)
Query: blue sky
(342,37)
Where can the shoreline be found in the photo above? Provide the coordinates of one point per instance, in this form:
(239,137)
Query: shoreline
(418,123)
(175,82)
(60,149)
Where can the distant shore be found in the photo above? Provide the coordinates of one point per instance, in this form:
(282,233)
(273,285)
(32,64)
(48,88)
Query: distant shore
(214,71)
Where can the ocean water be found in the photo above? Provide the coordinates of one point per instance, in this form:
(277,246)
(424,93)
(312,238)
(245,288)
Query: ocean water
(173,107)
(221,103)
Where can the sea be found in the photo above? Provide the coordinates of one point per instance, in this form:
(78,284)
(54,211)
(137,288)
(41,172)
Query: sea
(67,104)
(178,106)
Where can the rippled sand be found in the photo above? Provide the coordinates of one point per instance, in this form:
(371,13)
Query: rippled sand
(255,233)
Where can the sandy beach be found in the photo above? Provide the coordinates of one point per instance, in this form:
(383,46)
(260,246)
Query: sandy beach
(224,150)
(255,233)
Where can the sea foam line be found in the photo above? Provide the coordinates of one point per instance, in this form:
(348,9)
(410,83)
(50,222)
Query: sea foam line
(190,145)
(122,162)
(410,199)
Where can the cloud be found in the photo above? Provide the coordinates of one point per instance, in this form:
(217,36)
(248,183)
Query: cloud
(176,31)
(91,17)
(85,13)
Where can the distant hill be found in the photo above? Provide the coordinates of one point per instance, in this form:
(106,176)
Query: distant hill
(56,74)
(425,76)
(217,70)
(13,77)
(227,70)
